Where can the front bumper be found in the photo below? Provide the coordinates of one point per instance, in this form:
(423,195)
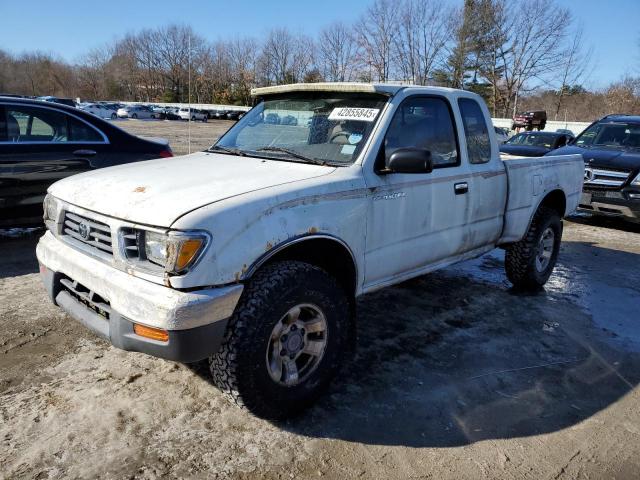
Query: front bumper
(110,302)
(611,203)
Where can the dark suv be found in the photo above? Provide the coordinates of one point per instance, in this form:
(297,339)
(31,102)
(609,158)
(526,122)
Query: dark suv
(611,151)
(530,120)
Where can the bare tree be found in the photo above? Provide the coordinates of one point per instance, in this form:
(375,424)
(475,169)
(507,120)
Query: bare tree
(243,57)
(337,52)
(423,32)
(286,58)
(535,37)
(577,65)
(376,32)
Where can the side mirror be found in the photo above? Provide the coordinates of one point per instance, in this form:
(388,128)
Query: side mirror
(410,160)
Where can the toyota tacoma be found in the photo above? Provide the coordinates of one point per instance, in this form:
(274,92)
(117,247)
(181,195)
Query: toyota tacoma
(251,254)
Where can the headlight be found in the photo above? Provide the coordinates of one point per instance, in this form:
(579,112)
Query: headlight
(175,251)
(50,208)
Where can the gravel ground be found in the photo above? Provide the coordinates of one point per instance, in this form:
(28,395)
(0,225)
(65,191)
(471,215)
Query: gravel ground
(456,376)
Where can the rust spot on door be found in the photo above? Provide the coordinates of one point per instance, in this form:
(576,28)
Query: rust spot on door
(139,189)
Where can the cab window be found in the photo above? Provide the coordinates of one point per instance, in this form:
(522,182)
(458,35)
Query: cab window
(26,124)
(475,130)
(424,122)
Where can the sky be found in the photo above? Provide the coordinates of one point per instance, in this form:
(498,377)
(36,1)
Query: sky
(70,28)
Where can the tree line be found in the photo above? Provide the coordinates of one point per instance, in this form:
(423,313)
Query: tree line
(515,54)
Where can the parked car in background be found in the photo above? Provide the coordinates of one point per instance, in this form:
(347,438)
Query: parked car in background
(611,151)
(157,109)
(113,106)
(534,120)
(253,253)
(171,113)
(502,134)
(235,115)
(534,144)
(42,142)
(565,130)
(99,110)
(192,114)
(135,111)
(272,118)
(220,114)
(62,101)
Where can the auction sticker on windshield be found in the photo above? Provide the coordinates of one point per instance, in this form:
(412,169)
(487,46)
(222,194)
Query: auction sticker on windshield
(354,113)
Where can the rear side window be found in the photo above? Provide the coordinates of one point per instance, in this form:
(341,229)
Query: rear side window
(475,130)
(424,122)
(26,124)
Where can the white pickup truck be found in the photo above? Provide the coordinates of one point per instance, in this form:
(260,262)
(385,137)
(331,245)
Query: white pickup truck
(252,253)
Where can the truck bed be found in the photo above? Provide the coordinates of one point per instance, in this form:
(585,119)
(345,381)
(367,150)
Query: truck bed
(536,177)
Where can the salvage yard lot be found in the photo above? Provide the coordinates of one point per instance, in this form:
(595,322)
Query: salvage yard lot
(456,376)
(203,134)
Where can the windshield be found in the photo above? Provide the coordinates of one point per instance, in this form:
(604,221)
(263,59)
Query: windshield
(314,127)
(532,139)
(614,135)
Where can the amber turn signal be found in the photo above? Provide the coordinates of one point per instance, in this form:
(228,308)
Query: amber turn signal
(186,253)
(150,332)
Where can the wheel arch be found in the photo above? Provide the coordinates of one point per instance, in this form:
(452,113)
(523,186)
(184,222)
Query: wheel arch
(555,200)
(322,250)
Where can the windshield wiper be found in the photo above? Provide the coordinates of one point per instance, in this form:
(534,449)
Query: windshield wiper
(292,153)
(233,151)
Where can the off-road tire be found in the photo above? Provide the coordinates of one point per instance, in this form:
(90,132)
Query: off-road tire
(239,368)
(520,257)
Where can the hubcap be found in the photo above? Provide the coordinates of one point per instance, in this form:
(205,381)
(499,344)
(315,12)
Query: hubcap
(545,249)
(297,345)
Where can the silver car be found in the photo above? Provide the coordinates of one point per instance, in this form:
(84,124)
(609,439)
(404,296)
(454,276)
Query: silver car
(135,111)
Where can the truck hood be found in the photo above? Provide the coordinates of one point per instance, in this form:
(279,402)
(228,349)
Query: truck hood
(604,157)
(157,192)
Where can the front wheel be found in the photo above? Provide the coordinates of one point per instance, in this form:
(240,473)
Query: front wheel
(530,261)
(134,116)
(285,341)
(113,116)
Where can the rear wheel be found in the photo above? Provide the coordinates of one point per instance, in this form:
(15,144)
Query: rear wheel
(113,116)
(530,261)
(285,341)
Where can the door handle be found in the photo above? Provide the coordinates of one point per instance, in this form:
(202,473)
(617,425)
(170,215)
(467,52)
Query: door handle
(84,153)
(461,188)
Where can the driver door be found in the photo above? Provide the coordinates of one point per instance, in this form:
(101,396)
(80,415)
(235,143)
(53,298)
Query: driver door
(417,219)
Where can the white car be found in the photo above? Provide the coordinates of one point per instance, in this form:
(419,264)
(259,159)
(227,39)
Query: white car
(253,252)
(135,111)
(99,110)
(192,114)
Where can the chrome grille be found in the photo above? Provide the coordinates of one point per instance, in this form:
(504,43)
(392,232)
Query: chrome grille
(88,231)
(605,177)
(130,242)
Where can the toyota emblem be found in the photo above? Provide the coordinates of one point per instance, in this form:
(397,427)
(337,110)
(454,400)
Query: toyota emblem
(84,231)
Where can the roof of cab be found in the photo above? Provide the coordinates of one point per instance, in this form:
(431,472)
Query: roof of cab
(350,87)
